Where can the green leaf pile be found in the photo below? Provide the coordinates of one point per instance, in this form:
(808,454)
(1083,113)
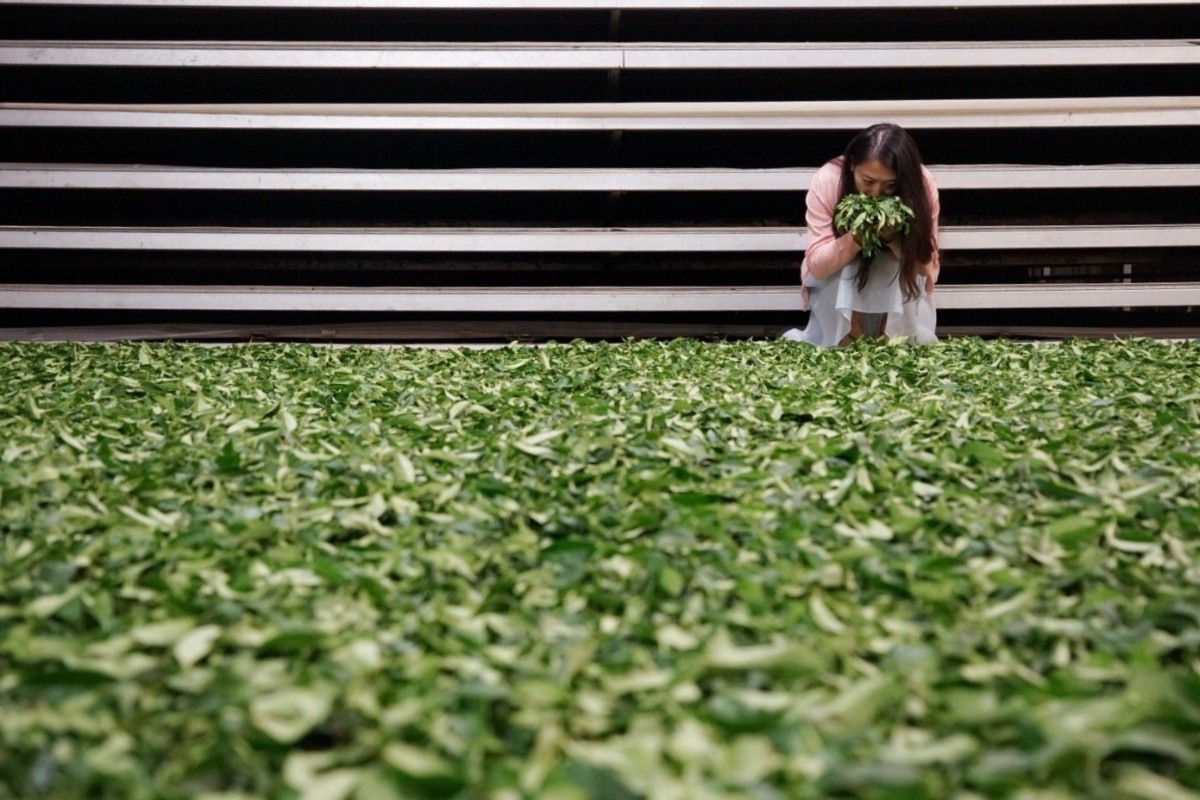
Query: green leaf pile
(865,217)
(749,570)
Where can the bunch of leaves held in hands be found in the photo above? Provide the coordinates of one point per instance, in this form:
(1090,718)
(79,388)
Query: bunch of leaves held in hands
(865,216)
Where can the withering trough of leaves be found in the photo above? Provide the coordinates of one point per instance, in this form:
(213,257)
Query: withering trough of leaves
(671,570)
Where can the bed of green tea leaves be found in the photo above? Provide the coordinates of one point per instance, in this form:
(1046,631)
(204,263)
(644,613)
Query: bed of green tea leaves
(673,570)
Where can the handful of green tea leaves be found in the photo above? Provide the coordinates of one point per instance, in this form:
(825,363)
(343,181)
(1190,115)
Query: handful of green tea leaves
(865,216)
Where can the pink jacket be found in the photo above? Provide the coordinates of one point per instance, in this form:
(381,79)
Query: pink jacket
(826,253)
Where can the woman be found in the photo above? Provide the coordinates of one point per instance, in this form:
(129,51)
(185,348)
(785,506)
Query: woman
(847,295)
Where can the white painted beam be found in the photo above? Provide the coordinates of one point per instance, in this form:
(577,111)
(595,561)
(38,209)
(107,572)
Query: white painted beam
(1060,112)
(965,176)
(600,56)
(559,299)
(567,240)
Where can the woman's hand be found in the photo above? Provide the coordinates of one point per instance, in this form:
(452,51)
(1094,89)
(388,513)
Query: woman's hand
(886,235)
(873,221)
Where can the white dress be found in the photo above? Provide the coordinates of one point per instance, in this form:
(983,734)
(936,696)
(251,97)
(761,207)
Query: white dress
(831,302)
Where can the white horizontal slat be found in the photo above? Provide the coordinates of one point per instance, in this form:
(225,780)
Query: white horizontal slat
(1082,176)
(504,331)
(980,176)
(641,55)
(1060,295)
(413,300)
(720,5)
(901,55)
(80,176)
(559,299)
(430,240)
(567,240)
(1053,237)
(1062,112)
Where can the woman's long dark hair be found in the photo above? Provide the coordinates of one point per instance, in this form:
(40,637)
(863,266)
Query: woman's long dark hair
(891,146)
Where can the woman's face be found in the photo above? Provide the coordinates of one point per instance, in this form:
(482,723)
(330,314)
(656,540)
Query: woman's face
(874,179)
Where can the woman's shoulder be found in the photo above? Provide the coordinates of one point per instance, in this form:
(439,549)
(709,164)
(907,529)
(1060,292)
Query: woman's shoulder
(931,188)
(832,167)
(828,176)
(929,180)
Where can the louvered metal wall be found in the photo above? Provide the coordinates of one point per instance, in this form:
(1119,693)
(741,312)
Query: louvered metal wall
(420,169)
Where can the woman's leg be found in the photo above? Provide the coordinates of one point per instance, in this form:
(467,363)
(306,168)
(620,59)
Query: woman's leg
(864,323)
(856,329)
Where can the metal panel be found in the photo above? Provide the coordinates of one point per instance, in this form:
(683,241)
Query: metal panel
(565,240)
(984,176)
(698,55)
(838,115)
(560,300)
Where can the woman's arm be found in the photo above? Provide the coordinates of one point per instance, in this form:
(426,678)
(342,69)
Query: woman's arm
(826,252)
